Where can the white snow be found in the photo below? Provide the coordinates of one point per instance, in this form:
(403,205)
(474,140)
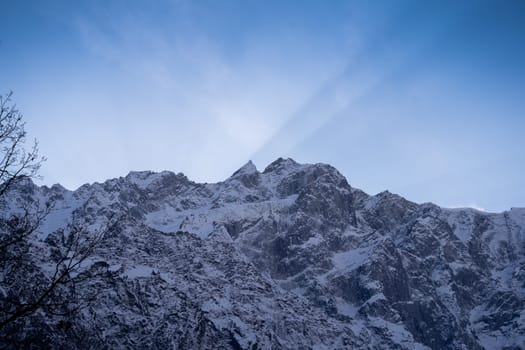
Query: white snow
(346,308)
(351,259)
(313,241)
(206,219)
(60,215)
(143,179)
(462,222)
(139,271)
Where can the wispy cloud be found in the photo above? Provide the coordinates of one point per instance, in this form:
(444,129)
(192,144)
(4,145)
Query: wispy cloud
(423,99)
(214,104)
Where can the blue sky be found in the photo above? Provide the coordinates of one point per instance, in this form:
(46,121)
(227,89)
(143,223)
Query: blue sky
(423,98)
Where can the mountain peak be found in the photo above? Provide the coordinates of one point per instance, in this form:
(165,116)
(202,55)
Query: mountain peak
(280,164)
(246,169)
(144,178)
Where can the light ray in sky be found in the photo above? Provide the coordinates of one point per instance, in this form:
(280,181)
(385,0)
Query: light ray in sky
(425,99)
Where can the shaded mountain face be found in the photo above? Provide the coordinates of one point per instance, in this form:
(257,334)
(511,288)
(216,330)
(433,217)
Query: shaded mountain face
(289,258)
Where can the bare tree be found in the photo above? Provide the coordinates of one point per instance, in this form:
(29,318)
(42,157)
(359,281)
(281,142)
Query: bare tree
(26,289)
(30,290)
(15,160)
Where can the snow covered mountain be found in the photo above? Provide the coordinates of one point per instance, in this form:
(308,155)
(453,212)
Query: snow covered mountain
(289,258)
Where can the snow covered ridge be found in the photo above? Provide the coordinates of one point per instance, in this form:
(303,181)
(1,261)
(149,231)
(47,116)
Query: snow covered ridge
(292,257)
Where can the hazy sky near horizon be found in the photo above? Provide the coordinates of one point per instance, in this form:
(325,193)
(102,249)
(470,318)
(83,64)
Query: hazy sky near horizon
(423,98)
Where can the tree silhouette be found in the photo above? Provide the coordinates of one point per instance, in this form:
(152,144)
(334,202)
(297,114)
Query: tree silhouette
(32,296)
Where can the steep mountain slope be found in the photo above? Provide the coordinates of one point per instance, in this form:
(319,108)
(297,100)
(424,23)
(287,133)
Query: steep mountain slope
(289,258)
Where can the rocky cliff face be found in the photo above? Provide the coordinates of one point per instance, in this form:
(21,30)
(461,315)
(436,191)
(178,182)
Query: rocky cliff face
(289,258)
